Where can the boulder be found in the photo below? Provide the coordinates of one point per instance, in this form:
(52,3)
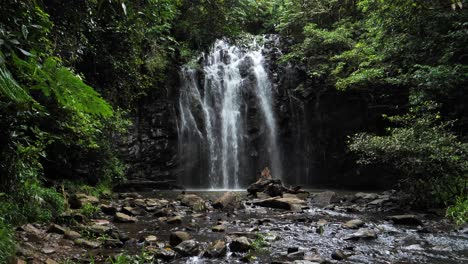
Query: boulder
(407,219)
(240,244)
(188,248)
(78,200)
(112,243)
(178,237)
(123,218)
(281,203)
(324,198)
(193,201)
(217,249)
(229,200)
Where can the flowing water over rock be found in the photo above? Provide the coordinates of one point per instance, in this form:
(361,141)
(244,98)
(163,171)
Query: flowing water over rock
(230,98)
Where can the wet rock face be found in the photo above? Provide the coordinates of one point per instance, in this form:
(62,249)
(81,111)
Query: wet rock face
(150,149)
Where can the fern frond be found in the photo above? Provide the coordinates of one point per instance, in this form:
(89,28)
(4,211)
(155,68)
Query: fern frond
(10,89)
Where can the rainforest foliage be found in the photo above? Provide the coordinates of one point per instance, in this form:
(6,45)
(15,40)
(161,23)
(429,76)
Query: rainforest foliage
(71,71)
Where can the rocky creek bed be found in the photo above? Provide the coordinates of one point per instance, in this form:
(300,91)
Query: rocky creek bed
(199,227)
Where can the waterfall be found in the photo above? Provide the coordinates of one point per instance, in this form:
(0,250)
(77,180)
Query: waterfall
(227,130)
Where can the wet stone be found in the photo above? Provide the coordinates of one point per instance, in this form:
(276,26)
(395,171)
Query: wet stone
(175,220)
(218,228)
(56,229)
(338,255)
(123,218)
(353,224)
(178,237)
(108,209)
(239,244)
(72,235)
(188,248)
(87,243)
(362,233)
(217,249)
(407,219)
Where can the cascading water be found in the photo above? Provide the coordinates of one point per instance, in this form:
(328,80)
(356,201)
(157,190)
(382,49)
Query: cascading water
(220,107)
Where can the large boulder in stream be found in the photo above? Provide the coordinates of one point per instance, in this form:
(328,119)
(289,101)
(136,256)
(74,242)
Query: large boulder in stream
(287,203)
(272,187)
(229,201)
(193,201)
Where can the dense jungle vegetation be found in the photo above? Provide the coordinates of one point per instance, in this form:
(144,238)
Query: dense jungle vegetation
(72,71)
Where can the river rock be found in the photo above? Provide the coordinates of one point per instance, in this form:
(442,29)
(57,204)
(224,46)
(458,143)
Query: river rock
(229,200)
(78,200)
(240,244)
(151,239)
(362,233)
(165,254)
(324,198)
(281,203)
(99,229)
(366,196)
(54,228)
(130,211)
(354,224)
(338,255)
(193,201)
(178,237)
(296,255)
(175,220)
(407,219)
(87,243)
(163,212)
(113,243)
(108,209)
(188,248)
(50,261)
(217,249)
(123,218)
(72,235)
(218,228)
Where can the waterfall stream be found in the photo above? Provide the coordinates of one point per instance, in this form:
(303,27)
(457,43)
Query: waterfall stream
(221,106)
